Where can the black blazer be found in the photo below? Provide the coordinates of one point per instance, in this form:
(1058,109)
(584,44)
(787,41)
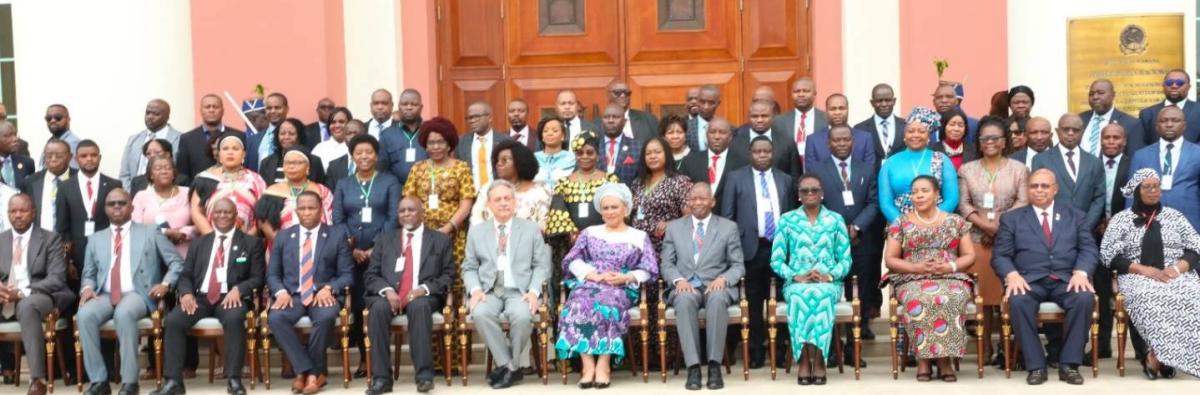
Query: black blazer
(33,187)
(739,204)
(23,167)
(787,156)
(864,213)
(1135,137)
(1149,119)
(897,143)
(437,267)
(72,214)
(643,124)
(338,169)
(244,265)
(312,135)
(466,143)
(192,156)
(269,168)
(695,166)
(1117,199)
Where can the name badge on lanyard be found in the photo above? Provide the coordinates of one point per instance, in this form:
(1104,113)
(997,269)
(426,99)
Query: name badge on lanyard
(848,198)
(366,215)
(410,155)
(583,210)
(434,201)
(989,200)
(1167,180)
(89,227)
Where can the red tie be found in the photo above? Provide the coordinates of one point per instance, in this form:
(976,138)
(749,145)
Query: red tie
(712,170)
(214,286)
(800,135)
(114,289)
(612,153)
(407,275)
(1046,228)
(845,176)
(90,193)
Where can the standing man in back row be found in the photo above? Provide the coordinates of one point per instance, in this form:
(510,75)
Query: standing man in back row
(804,118)
(133,163)
(886,129)
(399,149)
(706,106)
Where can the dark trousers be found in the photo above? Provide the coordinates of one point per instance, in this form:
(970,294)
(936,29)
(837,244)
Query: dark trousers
(357,305)
(1024,308)
(178,323)
(758,289)
(420,336)
(865,265)
(305,359)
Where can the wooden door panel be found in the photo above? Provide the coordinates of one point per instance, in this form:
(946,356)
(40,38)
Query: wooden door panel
(472,34)
(457,94)
(681,30)
(666,93)
(773,29)
(541,93)
(562,32)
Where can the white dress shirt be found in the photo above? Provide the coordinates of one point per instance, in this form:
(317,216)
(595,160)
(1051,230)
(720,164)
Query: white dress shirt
(375,128)
(1110,178)
(1097,123)
(19,271)
(416,259)
(503,262)
(720,169)
(474,155)
(696,224)
(89,203)
(1049,211)
(810,122)
(755,134)
(218,246)
(628,129)
(702,132)
(837,167)
(524,137)
(316,237)
(1029,154)
(50,189)
(1075,152)
(1180,104)
(126,262)
(885,139)
(574,127)
(763,204)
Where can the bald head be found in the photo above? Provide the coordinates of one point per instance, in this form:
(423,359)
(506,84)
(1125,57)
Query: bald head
(1037,134)
(157,114)
(1170,123)
(1042,188)
(566,104)
(804,93)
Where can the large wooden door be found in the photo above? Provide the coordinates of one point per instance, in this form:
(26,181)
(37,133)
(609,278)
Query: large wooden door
(499,50)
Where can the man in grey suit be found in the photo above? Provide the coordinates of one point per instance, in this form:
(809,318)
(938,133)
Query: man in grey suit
(804,119)
(133,163)
(639,125)
(505,266)
(122,277)
(703,278)
(476,147)
(33,281)
(1081,173)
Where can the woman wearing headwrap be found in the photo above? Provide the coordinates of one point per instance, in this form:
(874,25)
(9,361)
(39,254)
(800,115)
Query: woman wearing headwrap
(574,193)
(897,174)
(227,179)
(1154,251)
(603,271)
(276,210)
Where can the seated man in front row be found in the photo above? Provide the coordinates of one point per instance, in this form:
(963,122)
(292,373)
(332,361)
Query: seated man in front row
(1045,253)
(505,266)
(410,271)
(707,280)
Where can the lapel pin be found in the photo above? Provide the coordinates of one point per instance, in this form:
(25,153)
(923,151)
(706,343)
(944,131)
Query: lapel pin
(1056,217)
(20,166)
(235,248)
(293,235)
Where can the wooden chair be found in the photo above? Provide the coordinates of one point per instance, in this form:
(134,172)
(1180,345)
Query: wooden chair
(972,314)
(739,315)
(845,313)
(540,335)
(639,320)
(1049,313)
(443,325)
(151,328)
(211,328)
(11,332)
(1121,321)
(304,327)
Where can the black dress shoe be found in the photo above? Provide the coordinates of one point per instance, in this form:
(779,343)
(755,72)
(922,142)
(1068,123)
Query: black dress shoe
(1167,372)
(128,389)
(818,380)
(509,378)
(600,385)
(360,373)
(714,376)
(235,387)
(100,388)
(170,387)
(424,386)
(804,380)
(693,378)
(1036,377)
(496,374)
(587,385)
(1070,376)
(379,386)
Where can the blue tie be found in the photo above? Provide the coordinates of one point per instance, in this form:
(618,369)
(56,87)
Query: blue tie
(769,216)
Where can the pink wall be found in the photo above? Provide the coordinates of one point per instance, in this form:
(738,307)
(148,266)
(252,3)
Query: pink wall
(419,35)
(970,35)
(293,47)
(827,48)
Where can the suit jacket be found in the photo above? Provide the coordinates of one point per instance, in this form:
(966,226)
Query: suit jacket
(192,156)
(22,167)
(312,135)
(896,144)
(643,124)
(695,166)
(816,147)
(720,255)
(693,133)
(72,214)
(244,265)
(629,154)
(45,261)
(969,152)
(1086,193)
(787,158)
(331,260)
(786,122)
(149,253)
(435,261)
(1184,194)
(466,144)
(1135,136)
(140,183)
(337,170)
(133,153)
(33,186)
(1117,199)
(1191,114)
(1021,247)
(864,213)
(740,204)
(529,262)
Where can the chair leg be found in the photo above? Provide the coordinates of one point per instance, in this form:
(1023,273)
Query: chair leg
(447,339)
(396,339)
(266,347)
(17,349)
(857,351)
(895,335)
(544,364)
(51,341)
(367,349)
(345,350)
(78,359)
(212,361)
(1006,336)
(745,353)
(838,352)
(662,353)
(463,344)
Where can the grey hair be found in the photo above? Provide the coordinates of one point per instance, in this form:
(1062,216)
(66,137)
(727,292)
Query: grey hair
(499,184)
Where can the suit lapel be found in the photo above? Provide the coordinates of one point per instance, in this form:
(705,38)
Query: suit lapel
(426,251)
(1057,159)
(232,254)
(780,192)
(710,237)
(135,245)
(6,261)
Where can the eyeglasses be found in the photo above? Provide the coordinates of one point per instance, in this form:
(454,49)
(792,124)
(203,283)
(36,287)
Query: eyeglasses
(990,139)
(55,117)
(473,117)
(1039,186)
(810,191)
(407,209)
(620,92)
(1151,188)
(1174,82)
(116,203)
(325,107)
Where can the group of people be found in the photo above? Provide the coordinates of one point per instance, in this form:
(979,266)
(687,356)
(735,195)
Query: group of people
(398,213)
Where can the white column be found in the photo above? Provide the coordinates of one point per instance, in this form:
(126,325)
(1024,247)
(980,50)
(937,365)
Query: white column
(871,52)
(373,46)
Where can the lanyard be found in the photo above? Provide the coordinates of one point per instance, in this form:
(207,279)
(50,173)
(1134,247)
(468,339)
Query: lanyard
(296,194)
(366,192)
(916,167)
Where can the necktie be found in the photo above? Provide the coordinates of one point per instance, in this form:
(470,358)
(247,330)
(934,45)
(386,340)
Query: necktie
(612,154)
(769,215)
(306,270)
(11,308)
(519,138)
(1109,179)
(1046,229)
(1167,162)
(51,208)
(1071,163)
(502,250)
(6,171)
(406,276)
(698,238)
(712,170)
(481,160)
(379,129)
(1094,136)
(886,142)
(845,176)
(114,288)
(1110,163)
(800,135)
(214,286)
(90,193)
(265,146)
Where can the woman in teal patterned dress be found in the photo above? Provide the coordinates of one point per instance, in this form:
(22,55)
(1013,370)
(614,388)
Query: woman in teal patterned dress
(812,253)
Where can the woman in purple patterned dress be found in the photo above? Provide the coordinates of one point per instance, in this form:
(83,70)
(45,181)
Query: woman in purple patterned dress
(603,271)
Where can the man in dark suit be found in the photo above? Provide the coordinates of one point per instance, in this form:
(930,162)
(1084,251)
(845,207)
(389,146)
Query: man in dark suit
(317,132)
(45,185)
(1116,173)
(222,271)
(886,129)
(639,125)
(410,274)
(619,155)
(22,145)
(849,184)
(706,107)
(1174,157)
(519,128)
(566,107)
(1080,174)
(816,149)
(476,147)
(310,265)
(755,198)
(1045,253)
(1100,98)
(79,205)
(1175,90)
(804,118)
(194,156)
(712,165)
(691,102)
(14,167)
(1037,140)
(34,276)
(398,146)
(786,158)
(947,97)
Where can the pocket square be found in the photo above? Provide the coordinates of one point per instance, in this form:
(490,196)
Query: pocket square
(628,160)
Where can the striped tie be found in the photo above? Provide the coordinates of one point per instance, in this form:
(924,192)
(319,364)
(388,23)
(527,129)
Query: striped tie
(306,270)
(769,216)
(1094,136)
